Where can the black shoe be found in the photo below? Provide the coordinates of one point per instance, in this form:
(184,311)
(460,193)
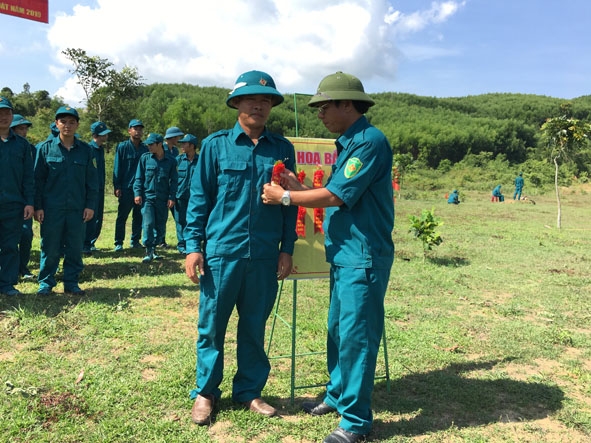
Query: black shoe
(339,435)
(75,291)
(315,408)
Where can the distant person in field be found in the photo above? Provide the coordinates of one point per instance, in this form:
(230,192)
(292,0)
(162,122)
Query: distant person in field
(237,247)
(518,186)
(454,198)
(496,194)
(21,126)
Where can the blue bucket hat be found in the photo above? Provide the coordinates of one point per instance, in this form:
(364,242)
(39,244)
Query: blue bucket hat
(18,120)
(153,138)
(135,122)
(189,138)
(67,110)
(5,103)
(252,83)
(173,132)
(99,128)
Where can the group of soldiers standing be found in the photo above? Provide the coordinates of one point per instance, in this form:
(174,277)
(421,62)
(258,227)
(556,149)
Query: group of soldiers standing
(61,184)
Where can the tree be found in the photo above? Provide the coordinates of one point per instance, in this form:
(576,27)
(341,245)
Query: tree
(423,228)
(106,89)
(564,136)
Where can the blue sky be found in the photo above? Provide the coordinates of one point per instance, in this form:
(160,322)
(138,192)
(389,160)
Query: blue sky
(433,48)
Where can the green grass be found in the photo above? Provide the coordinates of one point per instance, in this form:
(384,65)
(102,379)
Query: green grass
(488,340)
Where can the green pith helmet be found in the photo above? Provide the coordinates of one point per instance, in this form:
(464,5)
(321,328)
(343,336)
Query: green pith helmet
(340,86)
(254,83)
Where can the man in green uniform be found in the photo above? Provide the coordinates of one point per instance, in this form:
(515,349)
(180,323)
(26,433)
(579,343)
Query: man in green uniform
(16,197)
(21,126)
(154,191)
(66,188)
(100,135)
(359,247)
(518,186)
(186,163)
(127,156)
(171,139)
(237,248)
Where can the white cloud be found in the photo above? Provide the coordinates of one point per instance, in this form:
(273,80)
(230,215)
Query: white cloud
(419,20)
(210,43)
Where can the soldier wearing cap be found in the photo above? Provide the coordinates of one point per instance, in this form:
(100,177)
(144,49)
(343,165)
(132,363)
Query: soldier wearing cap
(16,196)
(359,247)
(66,192)
(127,157)
(100,135)
(21,126)
(186,163)
(237,248)
(154,191)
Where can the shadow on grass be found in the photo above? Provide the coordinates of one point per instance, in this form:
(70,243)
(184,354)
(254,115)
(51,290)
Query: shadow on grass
(449,261)
(118,298)
(437,400)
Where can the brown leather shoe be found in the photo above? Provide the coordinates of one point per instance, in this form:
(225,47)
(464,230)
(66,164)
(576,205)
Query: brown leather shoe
(259,406)
(202,411)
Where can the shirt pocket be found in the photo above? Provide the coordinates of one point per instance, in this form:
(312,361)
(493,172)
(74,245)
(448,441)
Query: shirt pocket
(150,173)
(232,177)
(55,163)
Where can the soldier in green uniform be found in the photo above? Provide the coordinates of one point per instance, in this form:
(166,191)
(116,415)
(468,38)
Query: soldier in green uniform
(66,188)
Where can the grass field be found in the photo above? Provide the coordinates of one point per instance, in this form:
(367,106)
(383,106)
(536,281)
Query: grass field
(489,339)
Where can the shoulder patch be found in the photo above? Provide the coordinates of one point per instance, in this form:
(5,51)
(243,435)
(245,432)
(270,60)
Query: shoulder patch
(353,167)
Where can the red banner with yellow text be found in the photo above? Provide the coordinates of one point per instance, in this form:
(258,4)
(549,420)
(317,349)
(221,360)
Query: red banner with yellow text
(30,9)
(314,160)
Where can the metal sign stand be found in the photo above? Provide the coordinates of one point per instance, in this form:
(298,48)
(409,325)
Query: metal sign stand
(293,355)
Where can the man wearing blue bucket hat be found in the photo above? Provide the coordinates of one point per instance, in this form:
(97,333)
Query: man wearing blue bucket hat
(66,188)
(127,156)
(237,248)
(171,139)
(100,135)
(359,247)
(186,163)
(21,126)
(16,198)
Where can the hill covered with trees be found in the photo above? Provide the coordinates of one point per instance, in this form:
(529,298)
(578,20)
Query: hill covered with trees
(427,132)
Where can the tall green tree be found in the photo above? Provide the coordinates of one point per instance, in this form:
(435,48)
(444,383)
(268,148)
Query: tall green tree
(564,136)
(109,93)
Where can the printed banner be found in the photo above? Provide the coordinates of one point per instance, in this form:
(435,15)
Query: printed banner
(30,9)
(314,160)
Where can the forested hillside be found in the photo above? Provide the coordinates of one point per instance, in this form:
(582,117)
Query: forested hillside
(433,132)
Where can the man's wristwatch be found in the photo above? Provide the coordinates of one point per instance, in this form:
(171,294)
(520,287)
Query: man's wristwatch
(286,199)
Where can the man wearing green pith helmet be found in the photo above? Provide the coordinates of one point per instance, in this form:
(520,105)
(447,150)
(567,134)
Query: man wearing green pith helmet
(359,247)
(237,247)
